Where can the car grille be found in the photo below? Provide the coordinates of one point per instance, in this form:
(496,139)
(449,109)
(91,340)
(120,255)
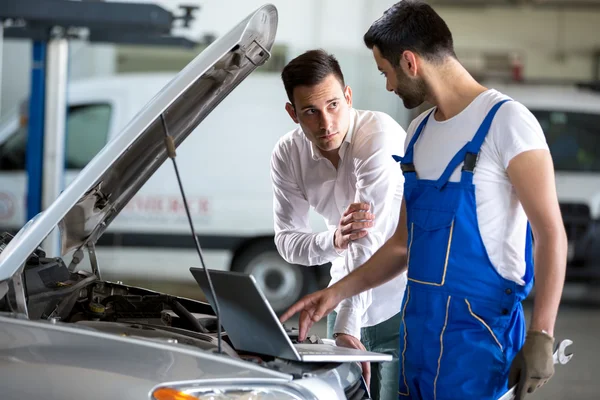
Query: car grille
(577,219)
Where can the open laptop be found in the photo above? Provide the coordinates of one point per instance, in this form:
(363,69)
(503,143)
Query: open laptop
(253,326)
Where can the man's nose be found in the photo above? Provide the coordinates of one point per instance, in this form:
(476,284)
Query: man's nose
(326,121)
(388,87)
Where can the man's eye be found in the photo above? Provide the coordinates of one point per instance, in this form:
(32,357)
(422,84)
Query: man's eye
(310,111)
(334,104)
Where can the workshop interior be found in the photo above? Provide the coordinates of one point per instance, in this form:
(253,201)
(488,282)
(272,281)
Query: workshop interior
(138,257)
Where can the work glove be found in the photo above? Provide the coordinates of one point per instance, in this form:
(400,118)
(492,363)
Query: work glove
(533,365)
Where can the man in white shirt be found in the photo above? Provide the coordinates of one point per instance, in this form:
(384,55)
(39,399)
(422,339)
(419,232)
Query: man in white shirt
(479,180)
(339,161)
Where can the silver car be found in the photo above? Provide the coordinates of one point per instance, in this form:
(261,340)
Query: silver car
(67,334)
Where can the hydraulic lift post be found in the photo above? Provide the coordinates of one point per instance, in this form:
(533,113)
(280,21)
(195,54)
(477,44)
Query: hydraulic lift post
(35,129)
(55,114)
(50,24)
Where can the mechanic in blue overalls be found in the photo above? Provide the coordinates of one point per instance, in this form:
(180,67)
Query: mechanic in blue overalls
(479,181)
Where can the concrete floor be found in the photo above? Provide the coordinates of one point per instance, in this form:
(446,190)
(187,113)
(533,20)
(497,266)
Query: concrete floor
(580,378)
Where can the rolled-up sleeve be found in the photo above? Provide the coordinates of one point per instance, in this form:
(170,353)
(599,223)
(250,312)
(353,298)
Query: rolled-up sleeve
(294,239)
(379,179)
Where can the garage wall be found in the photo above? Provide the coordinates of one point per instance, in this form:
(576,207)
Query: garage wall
(552,43)
(310,23)
(555,44)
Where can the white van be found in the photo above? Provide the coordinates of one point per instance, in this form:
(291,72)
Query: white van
(570,118)
(225,170)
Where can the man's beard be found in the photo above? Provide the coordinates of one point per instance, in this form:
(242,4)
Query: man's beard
(413,92)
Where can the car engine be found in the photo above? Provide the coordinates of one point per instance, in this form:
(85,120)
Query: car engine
(54,292)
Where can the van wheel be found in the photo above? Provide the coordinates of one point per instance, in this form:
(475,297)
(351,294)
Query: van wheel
(282,283)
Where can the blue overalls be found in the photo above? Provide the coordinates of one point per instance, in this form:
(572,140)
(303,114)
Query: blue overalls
(462,322)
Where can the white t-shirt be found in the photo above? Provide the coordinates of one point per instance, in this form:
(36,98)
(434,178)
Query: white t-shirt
(502,220)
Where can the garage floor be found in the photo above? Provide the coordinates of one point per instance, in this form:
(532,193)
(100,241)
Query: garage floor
(579,378)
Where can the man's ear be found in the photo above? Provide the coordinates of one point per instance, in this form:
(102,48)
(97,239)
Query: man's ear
(348,95)
(409,62)
(291,111)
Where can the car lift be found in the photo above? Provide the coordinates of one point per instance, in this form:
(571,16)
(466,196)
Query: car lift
(50,24)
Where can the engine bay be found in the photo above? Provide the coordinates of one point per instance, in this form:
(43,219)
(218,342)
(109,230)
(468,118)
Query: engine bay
(54,292)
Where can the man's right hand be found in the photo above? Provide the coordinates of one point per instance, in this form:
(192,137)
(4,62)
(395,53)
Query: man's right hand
(353,224)
(344,340)
(533,365)
(312,308)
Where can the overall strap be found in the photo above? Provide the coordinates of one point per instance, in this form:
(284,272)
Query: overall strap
(456,160)
(475,144)
(470,151)
(407,161)
(529,262)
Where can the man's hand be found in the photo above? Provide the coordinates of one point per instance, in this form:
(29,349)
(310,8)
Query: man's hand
(344,340)
(353,224)
(312,308)
(533,365)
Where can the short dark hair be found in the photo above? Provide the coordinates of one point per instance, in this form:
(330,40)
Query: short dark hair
(309,69)
(411,25)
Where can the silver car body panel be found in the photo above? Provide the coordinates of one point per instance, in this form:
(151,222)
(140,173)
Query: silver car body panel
(102,189)
(62,361)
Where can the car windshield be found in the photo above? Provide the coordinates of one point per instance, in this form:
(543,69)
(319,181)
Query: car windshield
(573,138)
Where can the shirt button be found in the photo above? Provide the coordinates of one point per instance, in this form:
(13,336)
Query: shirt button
(504,311)
(508,291)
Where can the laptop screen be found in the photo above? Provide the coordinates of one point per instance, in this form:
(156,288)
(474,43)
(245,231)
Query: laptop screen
(247,317)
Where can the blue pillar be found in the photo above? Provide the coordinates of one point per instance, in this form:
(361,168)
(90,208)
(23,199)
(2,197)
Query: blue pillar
(35,135)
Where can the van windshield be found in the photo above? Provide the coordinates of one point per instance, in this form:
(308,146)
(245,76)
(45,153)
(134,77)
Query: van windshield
(87,127)
(573,138)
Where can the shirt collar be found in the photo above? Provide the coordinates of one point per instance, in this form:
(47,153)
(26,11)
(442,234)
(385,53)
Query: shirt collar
(316,154)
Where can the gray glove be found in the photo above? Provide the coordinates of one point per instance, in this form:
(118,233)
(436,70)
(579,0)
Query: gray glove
(533,365)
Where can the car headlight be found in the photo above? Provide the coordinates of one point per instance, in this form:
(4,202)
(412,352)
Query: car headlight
(226,393)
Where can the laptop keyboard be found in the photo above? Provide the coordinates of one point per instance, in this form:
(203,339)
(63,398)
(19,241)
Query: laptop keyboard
(315,349)
(318,353)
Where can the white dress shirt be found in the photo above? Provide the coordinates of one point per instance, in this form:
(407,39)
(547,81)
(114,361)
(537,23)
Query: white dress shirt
(303,178)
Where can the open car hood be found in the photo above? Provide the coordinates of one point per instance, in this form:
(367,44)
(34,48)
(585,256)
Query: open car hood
(103,188)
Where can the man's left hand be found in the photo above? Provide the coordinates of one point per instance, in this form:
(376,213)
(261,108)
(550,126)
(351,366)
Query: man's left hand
(533,365)
(344,340)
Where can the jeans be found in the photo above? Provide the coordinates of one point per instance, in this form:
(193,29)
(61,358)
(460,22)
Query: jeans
(382,338)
